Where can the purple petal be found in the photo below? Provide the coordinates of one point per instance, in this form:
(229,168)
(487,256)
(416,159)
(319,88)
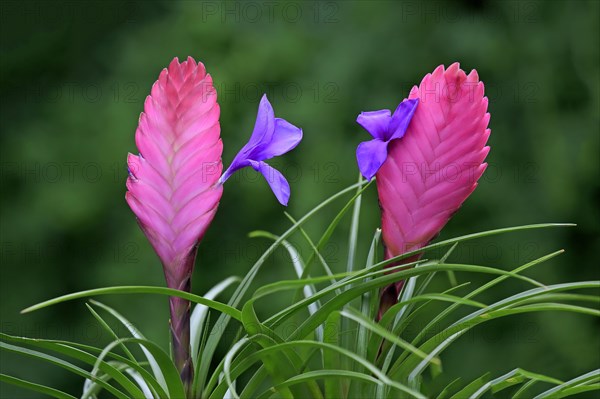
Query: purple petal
(271,137)
(375,122)
(236,165)
(402,117)
(277,182)
(264,128)
(370,156)
(265,124)
(285,138)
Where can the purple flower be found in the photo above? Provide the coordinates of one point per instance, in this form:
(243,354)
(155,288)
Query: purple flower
(384,128)
(271,137)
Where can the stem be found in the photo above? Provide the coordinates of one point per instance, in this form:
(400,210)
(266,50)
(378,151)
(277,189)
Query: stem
(388,298)
(180,337)
(389,294)
(179,276)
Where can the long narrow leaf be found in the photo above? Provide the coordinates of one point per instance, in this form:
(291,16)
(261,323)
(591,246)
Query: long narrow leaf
(228,310)
(215,337)
(83,353)
(200,312)
(31,386)
(63,364)
(156,369)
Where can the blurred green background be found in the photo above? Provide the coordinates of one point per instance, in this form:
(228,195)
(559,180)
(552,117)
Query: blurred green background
(74,76)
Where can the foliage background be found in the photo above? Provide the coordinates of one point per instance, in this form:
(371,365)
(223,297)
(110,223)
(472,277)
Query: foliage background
(74,76)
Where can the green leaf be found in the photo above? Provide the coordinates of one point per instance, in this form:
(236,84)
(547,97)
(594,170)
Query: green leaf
(383,333)
(436,321)
(514,377)
(401,272)
(324,375)
(221,324)
(449,388)
(571,391)
(371,369)
(83,353)
(340,300)
(299,266)
(523,392)
(330,229)
(63,364)
(138,378)
(370,301)
(386,319)
(336,220)
(399,329)
(199,314)
(560,390)
(227,365)
(353,238)
(156,369)
(440,341)
(91,387)
(31,386)
(313,247)
(280,366)
(331,360)
(474,236)
(173,380)
(471,388)
(109,330)
(277,366)
(228,310)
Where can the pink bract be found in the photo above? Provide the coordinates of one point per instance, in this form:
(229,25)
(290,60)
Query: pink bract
(432,170)
(172,185)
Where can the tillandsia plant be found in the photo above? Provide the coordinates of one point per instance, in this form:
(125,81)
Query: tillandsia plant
(427,157)
(174,184)
(340,333)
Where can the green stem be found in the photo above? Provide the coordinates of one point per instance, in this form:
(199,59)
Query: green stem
(179,277)
(180,337)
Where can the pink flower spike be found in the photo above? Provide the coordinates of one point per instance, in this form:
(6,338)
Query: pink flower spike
(432,170)
(172,186)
